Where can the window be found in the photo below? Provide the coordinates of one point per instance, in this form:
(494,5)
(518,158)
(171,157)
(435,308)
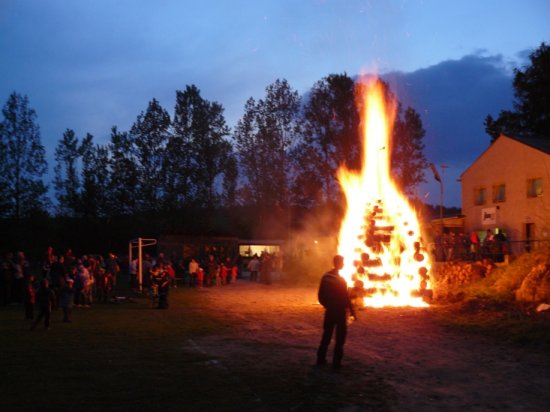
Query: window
(534,187)
(499,193)
(479,196)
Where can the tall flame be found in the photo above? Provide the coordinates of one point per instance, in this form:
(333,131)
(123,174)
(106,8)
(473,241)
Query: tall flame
(380,236)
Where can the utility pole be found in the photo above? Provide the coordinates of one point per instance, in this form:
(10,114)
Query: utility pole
(440,180)
(443,167)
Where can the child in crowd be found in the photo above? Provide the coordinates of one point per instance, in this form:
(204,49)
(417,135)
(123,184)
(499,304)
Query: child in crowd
(66,299)
(234,273)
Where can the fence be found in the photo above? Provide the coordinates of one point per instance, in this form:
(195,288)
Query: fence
(496,251)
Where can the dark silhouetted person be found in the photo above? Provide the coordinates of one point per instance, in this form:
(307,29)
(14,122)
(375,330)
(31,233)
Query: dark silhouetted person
(254,268)
(66,299)
(46,300)
(333,295)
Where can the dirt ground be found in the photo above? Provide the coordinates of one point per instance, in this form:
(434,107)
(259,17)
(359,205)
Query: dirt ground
(395,359)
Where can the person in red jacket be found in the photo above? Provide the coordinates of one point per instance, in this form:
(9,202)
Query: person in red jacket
(333,295)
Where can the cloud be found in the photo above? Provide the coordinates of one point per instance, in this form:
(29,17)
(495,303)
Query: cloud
(453,99)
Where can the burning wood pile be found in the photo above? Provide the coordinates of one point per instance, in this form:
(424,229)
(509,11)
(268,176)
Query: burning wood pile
(380,236)
(370,268)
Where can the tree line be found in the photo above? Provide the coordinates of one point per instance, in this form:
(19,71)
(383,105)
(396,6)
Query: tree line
(283,152)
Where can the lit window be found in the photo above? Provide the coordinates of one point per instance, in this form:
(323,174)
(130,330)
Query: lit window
(534,187)
(479,196)
(499,193)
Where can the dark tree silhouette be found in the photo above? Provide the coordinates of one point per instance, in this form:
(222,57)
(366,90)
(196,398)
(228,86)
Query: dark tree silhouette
(22,161)
(531,114)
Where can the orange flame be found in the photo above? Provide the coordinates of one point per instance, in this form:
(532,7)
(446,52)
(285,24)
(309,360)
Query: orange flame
(380,238)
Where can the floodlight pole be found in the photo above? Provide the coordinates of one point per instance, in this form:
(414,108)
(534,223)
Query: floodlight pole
(140,243)
(443,167)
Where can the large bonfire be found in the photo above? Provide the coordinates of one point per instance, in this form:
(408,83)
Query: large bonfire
(380,237)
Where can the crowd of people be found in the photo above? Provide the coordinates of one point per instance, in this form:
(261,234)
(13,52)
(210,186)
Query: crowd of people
(195,272)
(450,246)
(60,281)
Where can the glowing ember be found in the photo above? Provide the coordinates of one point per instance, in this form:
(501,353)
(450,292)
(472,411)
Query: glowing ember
(380,237)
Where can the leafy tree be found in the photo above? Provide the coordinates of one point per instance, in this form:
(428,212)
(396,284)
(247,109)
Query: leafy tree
(531,114)
(264,137)
(198,147)
(229,184)
(149,136)
(123,179)
(95,178)
(66,180)
(177,168)
(330,138)
(309,181)
(245,134)
(22,160)
(408,160)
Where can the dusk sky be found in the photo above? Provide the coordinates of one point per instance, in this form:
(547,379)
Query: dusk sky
(89,65)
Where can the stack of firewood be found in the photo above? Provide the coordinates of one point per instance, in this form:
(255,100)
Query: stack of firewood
(377,236)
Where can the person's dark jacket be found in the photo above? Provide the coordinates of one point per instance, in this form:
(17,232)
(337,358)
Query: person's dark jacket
(333,293)
(45,298)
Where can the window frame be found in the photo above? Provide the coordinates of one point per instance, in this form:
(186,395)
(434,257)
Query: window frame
(499,193)
(533,189)
(480,196)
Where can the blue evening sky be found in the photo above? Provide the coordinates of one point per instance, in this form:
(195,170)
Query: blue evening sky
(88,65)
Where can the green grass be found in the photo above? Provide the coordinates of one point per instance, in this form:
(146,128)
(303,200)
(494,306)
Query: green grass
(112,357)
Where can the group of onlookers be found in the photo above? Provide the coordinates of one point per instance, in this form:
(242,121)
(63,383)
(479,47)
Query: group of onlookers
(64,280)
(61,280)
(194,273)
(451,246)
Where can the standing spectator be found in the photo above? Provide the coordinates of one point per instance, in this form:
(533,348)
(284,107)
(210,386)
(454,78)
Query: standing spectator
(266,268)
(47,263)
(181,273)
(82,284)
(333,295)
(69,263)
(462,246)
(474,245)
(254,267)
(29,297)
(66,300)
(20,267)
(200,277)
(193,272)
(112,268)
(133,269)
(46,301)
(57,275)
(439,247)
(6,278)
(234,273)
(211,271)
(170,271)
(488,244)
(449,243)
(163,283)
(146,270)
(501,247)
